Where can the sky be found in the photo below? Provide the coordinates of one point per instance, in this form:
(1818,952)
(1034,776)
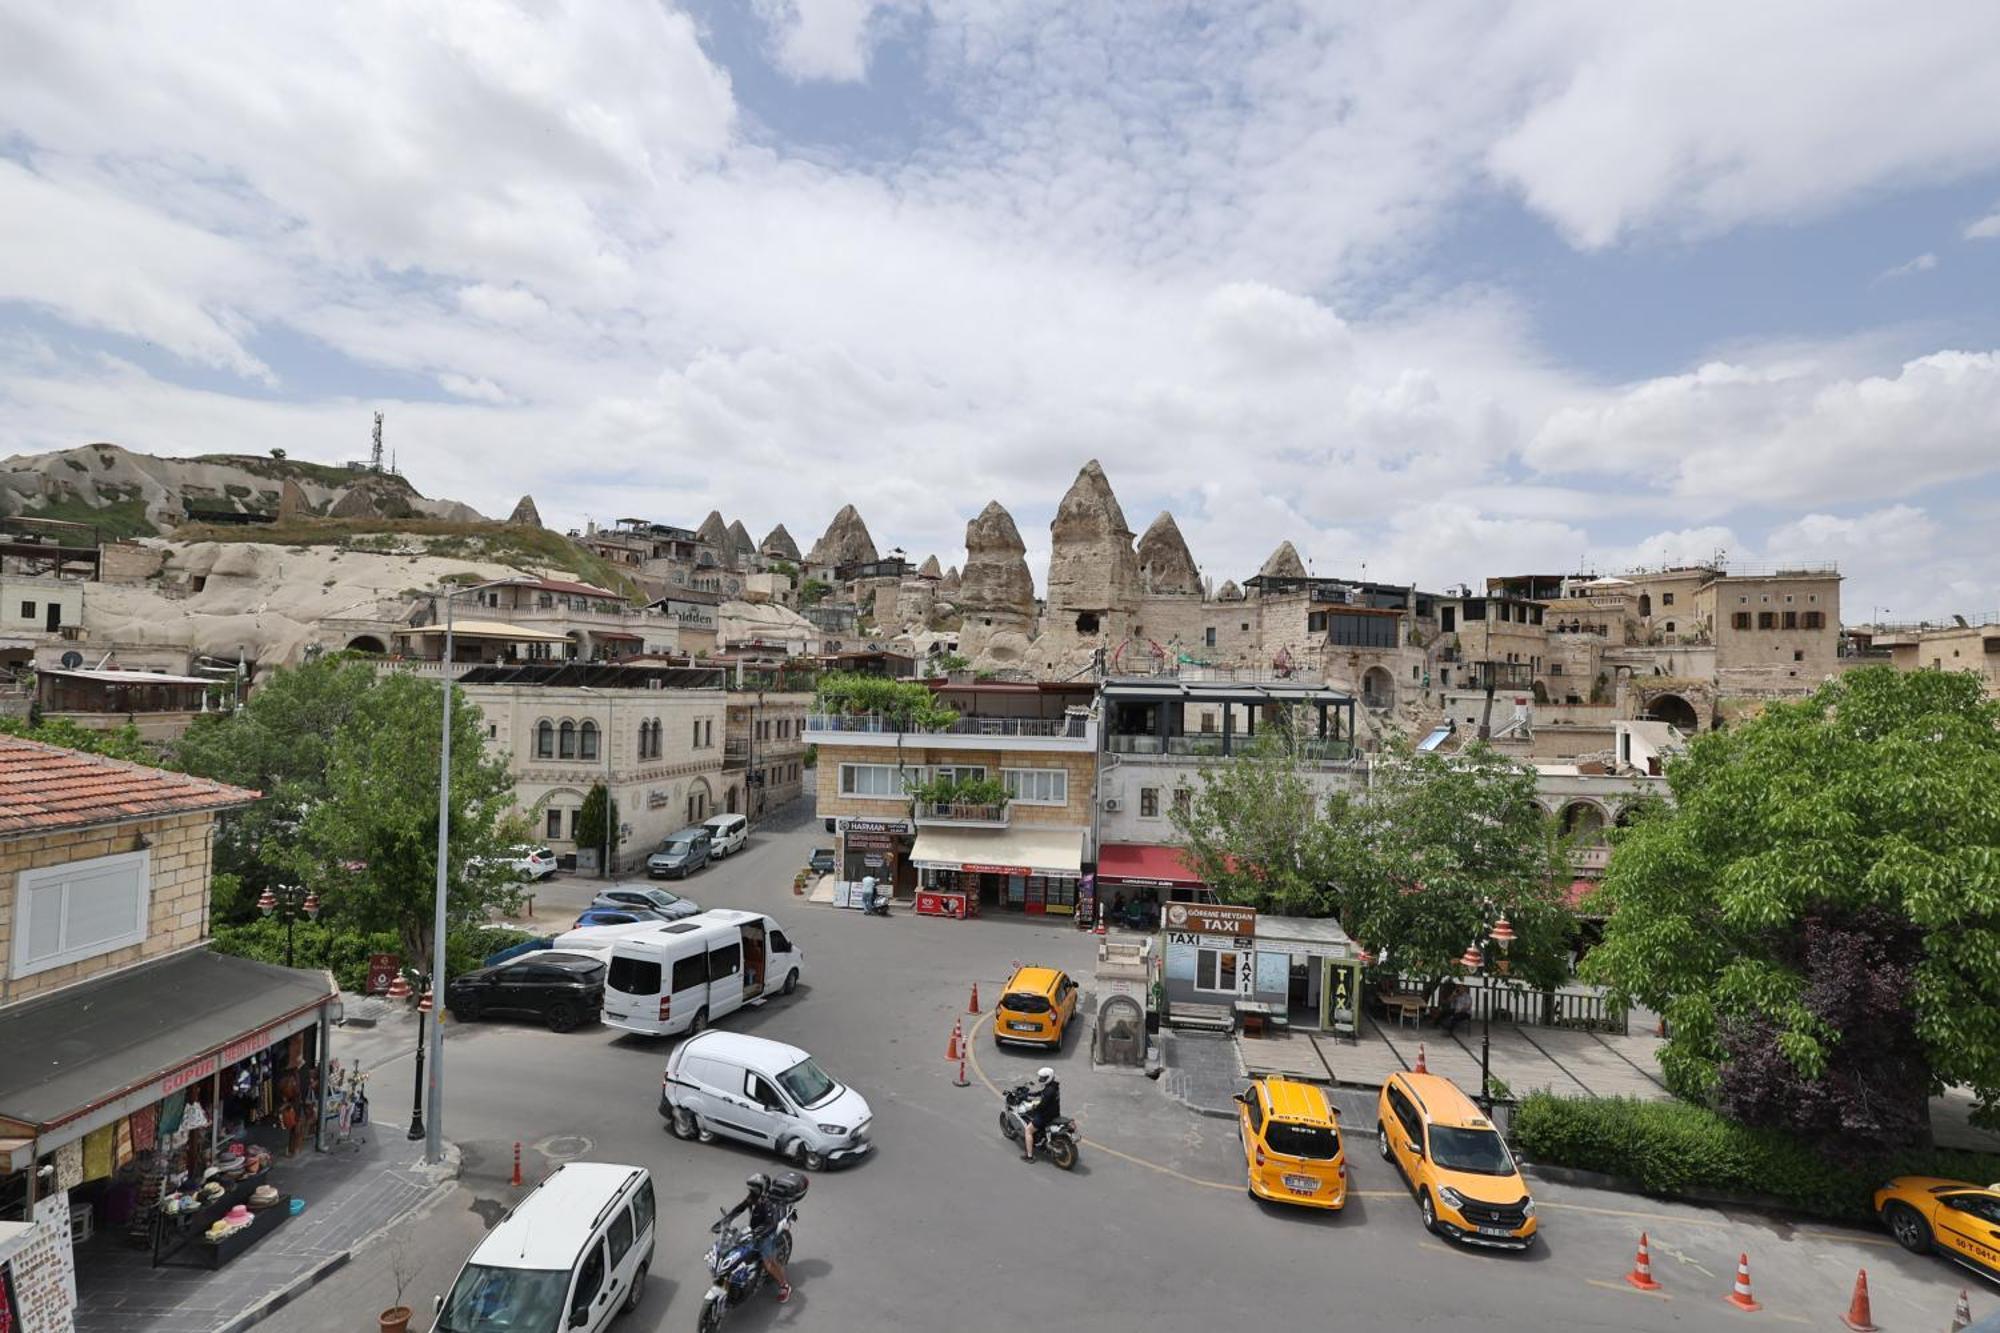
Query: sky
(1435,291)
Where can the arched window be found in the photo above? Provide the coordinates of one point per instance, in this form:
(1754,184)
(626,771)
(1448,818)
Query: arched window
(588,748)
(566,741)
(545,739)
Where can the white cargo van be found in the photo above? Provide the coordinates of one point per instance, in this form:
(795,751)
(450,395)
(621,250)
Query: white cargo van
(678,976)
(766,1093)
(726,834)
(572,1255)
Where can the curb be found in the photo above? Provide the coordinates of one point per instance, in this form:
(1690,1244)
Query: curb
(1700,1198)
(447,1175)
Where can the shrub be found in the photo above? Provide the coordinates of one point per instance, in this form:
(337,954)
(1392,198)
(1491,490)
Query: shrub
(1676,1148)
(345,953)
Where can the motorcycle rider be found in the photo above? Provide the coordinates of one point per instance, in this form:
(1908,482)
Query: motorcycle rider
(765,1214)
(1043,1110)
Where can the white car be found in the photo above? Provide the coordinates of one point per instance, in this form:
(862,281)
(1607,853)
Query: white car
(726,834)
(766,1093)
(533,864)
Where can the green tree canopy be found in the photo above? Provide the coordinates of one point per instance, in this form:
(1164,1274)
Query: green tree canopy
(1255,830)
(1818,913)
(370,845)
(909,704)
(591,821)
(119,743)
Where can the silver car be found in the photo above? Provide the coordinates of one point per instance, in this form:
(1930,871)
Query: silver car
(669,905)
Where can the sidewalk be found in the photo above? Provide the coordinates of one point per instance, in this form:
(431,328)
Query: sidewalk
(349,1196)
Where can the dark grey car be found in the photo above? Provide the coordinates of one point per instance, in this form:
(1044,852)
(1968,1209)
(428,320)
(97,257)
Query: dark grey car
(679,855)
(669,905)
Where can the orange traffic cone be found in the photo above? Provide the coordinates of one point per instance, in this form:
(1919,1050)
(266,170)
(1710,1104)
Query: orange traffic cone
(1858,1316)
(1962,1316)
(1740,1296)
(952,1048)
(972,1006)
(1420,1069)
(1641,1275)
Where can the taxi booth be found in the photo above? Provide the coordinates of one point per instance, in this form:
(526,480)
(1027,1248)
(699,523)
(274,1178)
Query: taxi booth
(1228,966)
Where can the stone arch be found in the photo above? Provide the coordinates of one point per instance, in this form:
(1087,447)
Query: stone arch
(700,802)
(1645,605)
(586,740)
(1675,711)
(367,643)
(565,799)
(1121,1031)
(1378,688)
(545,739)
(565,739)
(1584,821)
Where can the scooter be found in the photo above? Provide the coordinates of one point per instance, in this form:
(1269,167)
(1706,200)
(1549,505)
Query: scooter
(735,1269)
(1057,1142)
(875,904)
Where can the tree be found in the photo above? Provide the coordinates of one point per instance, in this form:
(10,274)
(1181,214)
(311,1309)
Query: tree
(118,743)
(592,827)
(279,743)
(1818,912)
(371,844)
(814,591)
(1437,849)
(908,705)
(1256,832)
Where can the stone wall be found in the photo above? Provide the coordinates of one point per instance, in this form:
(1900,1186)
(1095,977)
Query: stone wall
(180,864)
(129,562)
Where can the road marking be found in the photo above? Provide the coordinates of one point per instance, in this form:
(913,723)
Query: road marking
(1627,1286)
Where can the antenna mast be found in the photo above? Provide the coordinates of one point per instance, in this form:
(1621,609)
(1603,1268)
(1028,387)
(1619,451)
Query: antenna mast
(375,457)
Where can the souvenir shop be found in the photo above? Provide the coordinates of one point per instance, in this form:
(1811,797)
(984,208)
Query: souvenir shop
(162,1138)
(963,872)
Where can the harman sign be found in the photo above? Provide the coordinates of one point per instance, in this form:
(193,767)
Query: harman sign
(1211,919)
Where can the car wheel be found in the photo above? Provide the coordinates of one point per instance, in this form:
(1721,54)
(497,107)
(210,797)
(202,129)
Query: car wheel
(681,1122)
(702,1133)
(1429,1211)
(561,1016)
(466,1011)
(1907,1225)
(638,1290)
(698,1022)
(812,1161)
(791,981)
(1382,1143)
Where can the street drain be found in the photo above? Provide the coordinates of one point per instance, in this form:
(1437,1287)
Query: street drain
(563,1147)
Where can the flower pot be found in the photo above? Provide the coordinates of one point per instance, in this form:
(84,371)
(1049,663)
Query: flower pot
(396,1319)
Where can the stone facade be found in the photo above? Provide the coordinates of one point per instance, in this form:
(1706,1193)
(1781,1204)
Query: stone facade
(764,751)
(180,860)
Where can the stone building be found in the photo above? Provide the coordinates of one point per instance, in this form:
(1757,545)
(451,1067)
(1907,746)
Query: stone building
(763,754)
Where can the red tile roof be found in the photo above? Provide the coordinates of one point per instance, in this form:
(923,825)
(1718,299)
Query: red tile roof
(46,788)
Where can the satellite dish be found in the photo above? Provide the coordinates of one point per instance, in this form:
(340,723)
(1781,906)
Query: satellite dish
(72,659)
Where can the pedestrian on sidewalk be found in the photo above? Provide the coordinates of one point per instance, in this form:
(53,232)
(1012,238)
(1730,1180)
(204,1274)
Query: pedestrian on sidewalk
(1458,1009)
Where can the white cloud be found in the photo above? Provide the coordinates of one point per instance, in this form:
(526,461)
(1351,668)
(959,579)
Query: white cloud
(826,39)
(1986,229)
(1923,263)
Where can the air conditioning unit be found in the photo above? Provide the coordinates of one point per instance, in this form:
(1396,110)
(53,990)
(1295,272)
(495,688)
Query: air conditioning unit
(1111,805)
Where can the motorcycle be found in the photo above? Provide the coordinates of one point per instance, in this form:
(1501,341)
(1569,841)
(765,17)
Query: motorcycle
(1058,1141)
(735,1268)
(873,903)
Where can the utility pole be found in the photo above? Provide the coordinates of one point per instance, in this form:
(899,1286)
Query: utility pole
(434,1129)
(375,456)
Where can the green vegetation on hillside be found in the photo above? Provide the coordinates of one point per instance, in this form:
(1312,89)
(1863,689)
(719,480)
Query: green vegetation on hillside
(320,474)
(122,518)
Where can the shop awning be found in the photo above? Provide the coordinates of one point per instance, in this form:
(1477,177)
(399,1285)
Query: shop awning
(1014,851)
(1146,864)
(92,1053)
(617,634)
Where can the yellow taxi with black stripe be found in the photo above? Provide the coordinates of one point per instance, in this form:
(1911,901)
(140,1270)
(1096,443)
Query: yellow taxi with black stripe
(1291,1144)
(1035,1007)
(1954,1217)
(1467,1186)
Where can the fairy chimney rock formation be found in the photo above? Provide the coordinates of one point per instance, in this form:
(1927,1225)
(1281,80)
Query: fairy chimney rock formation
(928,570)
(1092,567)
(1230,592)
(1166,565)
(996,594)
(525,514)
(739,539)
(950,584)
(292,502)
(1283,564)
(713,531)
(780,546)
(845,541)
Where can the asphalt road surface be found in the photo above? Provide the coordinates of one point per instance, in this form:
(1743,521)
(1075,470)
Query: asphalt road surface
(945,1228)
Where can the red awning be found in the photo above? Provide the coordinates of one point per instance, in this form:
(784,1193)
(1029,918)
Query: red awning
(1577,889)
(617,634)
(1145,864)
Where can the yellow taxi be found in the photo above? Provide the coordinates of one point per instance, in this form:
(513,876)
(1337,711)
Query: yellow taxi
(1958,1219)
(1291,1144)
(1035,1008)
(1465,1180)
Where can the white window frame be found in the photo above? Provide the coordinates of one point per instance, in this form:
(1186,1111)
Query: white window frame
(847,787)
(1055,779)
(30,882)
(1216,973)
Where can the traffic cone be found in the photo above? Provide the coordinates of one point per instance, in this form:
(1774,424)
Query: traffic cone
(1858,1316)
(961,1081)
(1962,1315)
(1420,1069)
(972,1006)
(1641,1275)
(1740,1296)
(954,1049)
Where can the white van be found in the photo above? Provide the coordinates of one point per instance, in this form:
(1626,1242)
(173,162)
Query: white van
(726,834)
(572,1255)
(678,976)
(763,1092)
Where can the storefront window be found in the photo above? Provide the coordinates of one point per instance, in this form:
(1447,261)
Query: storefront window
(1215,970)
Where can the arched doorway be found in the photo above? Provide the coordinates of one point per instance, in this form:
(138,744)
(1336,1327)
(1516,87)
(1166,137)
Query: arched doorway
(367,643)
(1645,606)
(700,801)
(1378,688)
(1583,823)
(1675,711)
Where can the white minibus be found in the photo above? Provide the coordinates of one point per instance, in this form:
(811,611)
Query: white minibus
(679,976)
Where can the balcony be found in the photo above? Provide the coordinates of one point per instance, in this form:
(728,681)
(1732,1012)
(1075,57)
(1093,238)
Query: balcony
(1589,858)
(961,814)
(1208,745)
(1073,732)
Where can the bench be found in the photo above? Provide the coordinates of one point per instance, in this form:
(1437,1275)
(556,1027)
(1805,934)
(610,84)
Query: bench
(1209,1017)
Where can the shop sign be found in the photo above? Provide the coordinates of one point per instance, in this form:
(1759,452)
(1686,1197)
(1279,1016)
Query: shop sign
(244,1047)
(851,824)
(1210,919)
(382,968)
(870,842)
(971,869)
(187,1075)
(1193,941)
(656,799)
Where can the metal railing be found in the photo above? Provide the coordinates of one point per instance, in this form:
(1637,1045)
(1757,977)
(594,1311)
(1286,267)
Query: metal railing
(1589,858)
(962,812)
(1054,728)
(1584,1010)
(1208,745)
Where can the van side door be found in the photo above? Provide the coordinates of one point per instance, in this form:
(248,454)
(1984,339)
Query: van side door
(590,1294)
(725,977)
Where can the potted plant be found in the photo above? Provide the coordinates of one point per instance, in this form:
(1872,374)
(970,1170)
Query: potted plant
(396,1319)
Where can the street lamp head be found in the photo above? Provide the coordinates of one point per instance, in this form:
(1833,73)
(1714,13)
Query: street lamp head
(424,1005)
(312,905)
(267,902)
(1473,958)
(399,988)
(1503,933)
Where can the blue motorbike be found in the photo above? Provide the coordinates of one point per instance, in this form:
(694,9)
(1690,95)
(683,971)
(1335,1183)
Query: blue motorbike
(735,1268)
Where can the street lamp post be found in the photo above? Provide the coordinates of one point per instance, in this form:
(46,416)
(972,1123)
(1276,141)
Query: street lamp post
(295,901)
(434,1139)
(400,989)
(1476,959)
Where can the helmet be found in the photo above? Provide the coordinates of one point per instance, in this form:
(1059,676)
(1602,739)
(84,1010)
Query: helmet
(1045,1075)
(758,1183)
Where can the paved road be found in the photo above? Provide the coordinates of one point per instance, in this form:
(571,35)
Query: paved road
(945,1227)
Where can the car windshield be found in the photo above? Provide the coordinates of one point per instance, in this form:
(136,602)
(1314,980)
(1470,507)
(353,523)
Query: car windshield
(807,1084)
(661,898)
(1480,1151)
(504,1300)
(1317,1142)
(674,847)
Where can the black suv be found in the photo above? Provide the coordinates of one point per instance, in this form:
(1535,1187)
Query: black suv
(561,989)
